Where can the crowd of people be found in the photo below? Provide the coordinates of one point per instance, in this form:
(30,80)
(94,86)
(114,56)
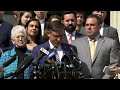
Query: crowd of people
(69,45)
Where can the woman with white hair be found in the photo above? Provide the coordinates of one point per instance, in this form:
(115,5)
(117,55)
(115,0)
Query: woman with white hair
(19,39)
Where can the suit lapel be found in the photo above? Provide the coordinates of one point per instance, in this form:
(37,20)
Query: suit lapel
(64,47)
(105,30)
(98,47)
(78,35)
(65,39)
(87,51)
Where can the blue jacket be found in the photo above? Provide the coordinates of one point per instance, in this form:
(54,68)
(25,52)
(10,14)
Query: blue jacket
(13,66)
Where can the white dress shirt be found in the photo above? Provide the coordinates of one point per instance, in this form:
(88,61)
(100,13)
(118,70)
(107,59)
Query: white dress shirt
(101,30)
(59,50)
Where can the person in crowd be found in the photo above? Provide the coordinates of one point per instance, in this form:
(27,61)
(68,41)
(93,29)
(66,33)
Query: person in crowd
(5,34)
(80,20)
(41,15)
(16,14)
(24,17)
(96,51)
(69,20)
(50,19)
(19,52)
(105,29)
(54,18)
(33,29)
(55,32)
(10,17)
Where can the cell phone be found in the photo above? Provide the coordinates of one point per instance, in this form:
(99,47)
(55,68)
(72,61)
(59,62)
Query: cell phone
(106,69)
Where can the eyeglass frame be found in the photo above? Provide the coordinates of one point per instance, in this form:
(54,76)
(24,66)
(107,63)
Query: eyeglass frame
(55,36)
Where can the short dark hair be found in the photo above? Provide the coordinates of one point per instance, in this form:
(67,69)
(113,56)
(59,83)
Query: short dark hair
(55,26)
(96,17)
(68,12)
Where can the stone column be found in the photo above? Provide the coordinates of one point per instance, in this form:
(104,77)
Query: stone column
(115,20)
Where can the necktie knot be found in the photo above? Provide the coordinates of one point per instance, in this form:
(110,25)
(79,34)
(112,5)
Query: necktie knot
(92,48)
(70,39)
(93,40)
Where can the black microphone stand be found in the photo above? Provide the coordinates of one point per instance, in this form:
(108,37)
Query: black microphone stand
(66,66)
(65,70)
(81,74)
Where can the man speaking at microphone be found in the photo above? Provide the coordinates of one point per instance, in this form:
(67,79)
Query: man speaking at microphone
(55,33)
(19,39)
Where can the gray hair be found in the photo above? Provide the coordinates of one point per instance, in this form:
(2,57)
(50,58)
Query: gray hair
(18,28)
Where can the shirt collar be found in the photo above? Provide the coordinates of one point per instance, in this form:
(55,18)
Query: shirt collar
(96,38)
(51,45)
(73,33)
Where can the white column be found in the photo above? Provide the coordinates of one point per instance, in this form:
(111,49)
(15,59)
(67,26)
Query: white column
(115,20)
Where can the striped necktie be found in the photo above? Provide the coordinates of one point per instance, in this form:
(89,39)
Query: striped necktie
(70,39)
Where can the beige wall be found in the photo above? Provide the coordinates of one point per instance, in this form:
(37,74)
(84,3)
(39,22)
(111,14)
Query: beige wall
(115,20)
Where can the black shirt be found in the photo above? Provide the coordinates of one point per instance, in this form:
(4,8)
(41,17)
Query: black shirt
(20,52)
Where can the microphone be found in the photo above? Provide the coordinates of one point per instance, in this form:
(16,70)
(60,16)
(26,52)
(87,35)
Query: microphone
(44,51)
(9,61)
(52,52)
(24,64)
(66,60)
(76,58)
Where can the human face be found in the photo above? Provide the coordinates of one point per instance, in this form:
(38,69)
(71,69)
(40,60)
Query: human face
(19,40)
(92,27)
(80,18)
(33,28)
(56,37)
(101,14)
(70,22)
(26,17)
(40,14)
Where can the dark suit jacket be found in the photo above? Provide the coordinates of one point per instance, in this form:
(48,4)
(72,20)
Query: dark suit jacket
(5,36)
(77,35)
(36,52)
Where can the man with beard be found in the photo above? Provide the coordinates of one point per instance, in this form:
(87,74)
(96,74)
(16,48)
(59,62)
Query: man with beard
(70,21)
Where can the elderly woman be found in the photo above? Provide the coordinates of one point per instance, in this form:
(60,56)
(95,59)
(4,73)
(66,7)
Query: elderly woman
(19,39)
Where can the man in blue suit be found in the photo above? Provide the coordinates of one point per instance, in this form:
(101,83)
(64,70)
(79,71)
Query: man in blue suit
(5,34)
(55,32)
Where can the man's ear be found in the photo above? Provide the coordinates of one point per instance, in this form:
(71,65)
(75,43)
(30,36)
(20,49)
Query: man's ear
(47,32)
